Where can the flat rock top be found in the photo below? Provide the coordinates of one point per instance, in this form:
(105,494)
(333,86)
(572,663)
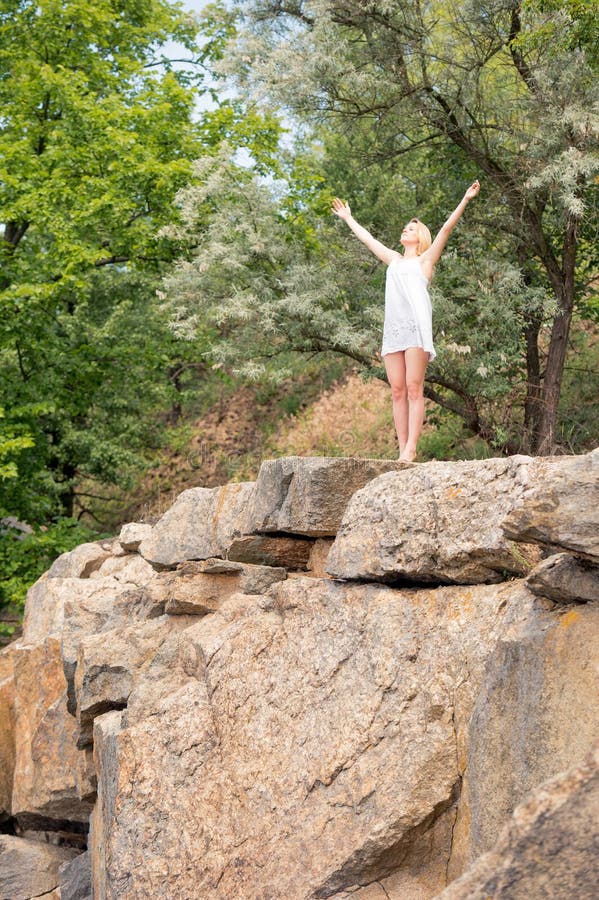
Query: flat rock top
(437,522)
(308,495)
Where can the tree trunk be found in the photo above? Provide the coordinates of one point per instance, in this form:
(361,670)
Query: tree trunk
(532,403)
(558,346)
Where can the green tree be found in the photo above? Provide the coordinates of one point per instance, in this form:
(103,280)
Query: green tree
(97,134)
(255,268)
(507,88)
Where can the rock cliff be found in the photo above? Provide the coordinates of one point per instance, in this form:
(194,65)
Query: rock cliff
(351,678)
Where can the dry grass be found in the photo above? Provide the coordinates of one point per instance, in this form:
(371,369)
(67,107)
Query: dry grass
(352,418)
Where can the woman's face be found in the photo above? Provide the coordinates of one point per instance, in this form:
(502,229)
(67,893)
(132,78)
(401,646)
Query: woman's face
(410,234)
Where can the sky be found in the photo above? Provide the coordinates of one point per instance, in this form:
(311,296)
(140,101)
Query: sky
(176,51)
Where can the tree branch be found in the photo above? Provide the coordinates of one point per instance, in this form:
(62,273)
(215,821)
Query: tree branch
(13,233)
(109,260)
(517,57)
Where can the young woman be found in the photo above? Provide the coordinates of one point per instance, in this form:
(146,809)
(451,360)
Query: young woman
(408,335)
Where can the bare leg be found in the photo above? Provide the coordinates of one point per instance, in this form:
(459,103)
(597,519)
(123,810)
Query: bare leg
(416,360)
(395,366)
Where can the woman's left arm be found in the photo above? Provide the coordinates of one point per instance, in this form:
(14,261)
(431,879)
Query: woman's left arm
(435,250)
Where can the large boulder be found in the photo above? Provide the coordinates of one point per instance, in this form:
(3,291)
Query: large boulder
(306,745)
(110,663)
(561,508)
(308,496)
(534,716)
(566,579)
(200,524)
(53,780)
(29,869)
(549,848)
(439,522)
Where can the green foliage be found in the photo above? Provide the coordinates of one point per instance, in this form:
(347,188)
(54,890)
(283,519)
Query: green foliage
(13,440)
(579,406)
(97,135)
(255,272)
(443,93)
(25,557)
(450,439)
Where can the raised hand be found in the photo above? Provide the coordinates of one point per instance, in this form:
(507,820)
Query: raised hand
(472,191)
(341,209)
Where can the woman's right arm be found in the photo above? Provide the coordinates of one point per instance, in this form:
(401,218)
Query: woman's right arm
(385,254)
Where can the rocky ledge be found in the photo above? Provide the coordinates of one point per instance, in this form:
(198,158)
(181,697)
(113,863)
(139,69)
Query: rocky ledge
(350,678)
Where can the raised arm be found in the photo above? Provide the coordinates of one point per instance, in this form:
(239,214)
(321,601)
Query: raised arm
(438,245)
(385,254)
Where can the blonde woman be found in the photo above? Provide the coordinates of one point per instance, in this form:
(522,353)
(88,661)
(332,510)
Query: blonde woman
(408,333)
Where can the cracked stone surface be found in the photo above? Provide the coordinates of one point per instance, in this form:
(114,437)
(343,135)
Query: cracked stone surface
(109,665)
(308,495)
(29,869)
(535,716)
(310,747)
(565,579)
(549,847)
(198,588)
(315,737)
(439,522)
(201,523)
(7,729)
(561,509)
(52,778)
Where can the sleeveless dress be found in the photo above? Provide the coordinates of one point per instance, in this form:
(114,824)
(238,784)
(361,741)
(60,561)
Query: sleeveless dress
(408,310)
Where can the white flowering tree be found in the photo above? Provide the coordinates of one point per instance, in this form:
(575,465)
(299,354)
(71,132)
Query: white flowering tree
(254,267)
(506,88)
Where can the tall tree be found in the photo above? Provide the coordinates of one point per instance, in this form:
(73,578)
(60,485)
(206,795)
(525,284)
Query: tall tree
(98,131)
(510,85)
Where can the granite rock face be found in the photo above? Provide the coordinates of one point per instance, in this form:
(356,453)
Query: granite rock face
(347,681)
(535,715)
(80,562)
(549,848)
(53,780)
(565,579)
(295,495)
(7,730)
(439,522)
(29,868)
(561,509)
(110,663)
(270,550)
(263,730)
(201,524)
(76,878)
(198,588)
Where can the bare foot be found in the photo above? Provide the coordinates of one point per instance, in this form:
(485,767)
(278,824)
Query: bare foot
(407,456)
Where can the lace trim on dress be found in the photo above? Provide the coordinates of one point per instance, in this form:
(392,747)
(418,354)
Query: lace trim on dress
(405,330)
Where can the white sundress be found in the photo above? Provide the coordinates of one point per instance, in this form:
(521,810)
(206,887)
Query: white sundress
(408,310)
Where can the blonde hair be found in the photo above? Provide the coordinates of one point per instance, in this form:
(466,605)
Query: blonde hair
(424,237)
